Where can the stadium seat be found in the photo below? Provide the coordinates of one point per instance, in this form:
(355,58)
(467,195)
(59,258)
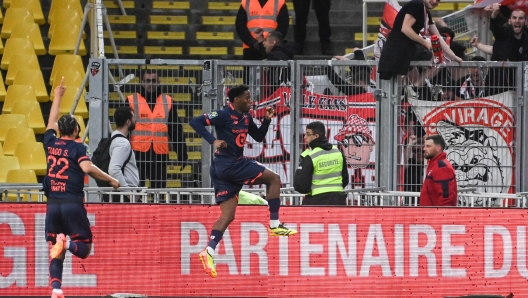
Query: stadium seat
(21,176)
(64,40)
(208,51)
(66,62)
(119,19)
(16,135)
(168,20)
(159,50)
(181,97)
(217,20)
(68,100)
(18,93)
(67,16)
(122,50)
(8,163)
(73,78)
(2,88)
(121,34)
(34,6)
(8,121)
(165,35)
(113,4)
(1,151)
(31,156)
(223,5)
(35,79)
(33,113)
(1,47)
(172,5)
(30,31)
(1,17)
(215,36)
(194,155)
(15,46)
(15,16)
(21,62)
(73,5)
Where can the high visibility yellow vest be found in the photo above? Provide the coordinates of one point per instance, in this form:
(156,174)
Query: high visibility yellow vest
(327,170)
(262,17)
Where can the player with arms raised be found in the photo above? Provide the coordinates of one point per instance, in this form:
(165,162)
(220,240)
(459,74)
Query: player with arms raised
(63,185)
(230,169)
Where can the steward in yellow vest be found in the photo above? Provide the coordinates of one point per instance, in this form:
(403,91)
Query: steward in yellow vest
(322,174)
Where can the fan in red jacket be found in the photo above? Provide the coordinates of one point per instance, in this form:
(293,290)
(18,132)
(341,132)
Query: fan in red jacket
(439,187)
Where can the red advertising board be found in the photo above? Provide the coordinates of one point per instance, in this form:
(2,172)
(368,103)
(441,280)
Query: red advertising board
(340,252)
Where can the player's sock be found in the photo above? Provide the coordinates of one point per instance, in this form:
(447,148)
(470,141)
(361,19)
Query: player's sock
(55,270)
(274,205)
(214,239)
(78,249)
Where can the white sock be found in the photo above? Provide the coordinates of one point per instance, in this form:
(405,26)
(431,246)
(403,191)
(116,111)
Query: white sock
(211,251)
(58,291)
(274,223)
(67,244)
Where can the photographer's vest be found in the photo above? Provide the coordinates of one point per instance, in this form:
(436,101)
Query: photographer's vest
(261,17)
(328,166)
(151,126)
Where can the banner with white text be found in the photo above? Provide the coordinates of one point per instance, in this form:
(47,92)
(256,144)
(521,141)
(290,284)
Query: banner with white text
(339,251)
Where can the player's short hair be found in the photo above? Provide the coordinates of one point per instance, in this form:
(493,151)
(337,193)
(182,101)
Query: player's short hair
(317,127)
(122,114)
(437,140)
(236,91)
(275,35)
(67,125)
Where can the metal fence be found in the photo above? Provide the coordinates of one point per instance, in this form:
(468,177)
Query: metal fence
(379,126)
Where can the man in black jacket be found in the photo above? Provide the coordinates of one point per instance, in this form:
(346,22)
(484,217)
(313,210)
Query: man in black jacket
(274,49)
(511,44)
(323,172)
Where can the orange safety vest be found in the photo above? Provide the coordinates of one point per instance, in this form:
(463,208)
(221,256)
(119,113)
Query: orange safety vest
(151,126)
(261,17)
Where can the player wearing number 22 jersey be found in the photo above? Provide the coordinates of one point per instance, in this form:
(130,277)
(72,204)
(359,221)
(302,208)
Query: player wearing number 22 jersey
(63,185)
(65,180)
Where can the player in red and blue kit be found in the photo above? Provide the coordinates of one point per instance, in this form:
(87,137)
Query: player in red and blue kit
(230,169)
(63,185)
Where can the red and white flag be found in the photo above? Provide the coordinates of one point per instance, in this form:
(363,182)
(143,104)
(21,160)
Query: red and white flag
(387,22)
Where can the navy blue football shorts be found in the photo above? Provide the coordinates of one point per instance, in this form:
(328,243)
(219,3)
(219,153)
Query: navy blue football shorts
(228,176)
(70,219)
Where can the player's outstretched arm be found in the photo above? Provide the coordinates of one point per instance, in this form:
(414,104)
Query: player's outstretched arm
(89,168)
(54,111)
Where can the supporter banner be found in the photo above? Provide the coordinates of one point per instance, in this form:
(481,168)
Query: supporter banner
(339,252)
(391,9)
(479,136)
(349,120)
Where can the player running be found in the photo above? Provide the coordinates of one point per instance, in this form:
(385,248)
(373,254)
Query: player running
(63,185)
(230,169)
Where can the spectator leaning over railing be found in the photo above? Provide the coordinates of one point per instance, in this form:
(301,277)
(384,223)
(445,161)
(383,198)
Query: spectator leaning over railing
(272,47)
(440,186)
(405,44)
(475,84)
